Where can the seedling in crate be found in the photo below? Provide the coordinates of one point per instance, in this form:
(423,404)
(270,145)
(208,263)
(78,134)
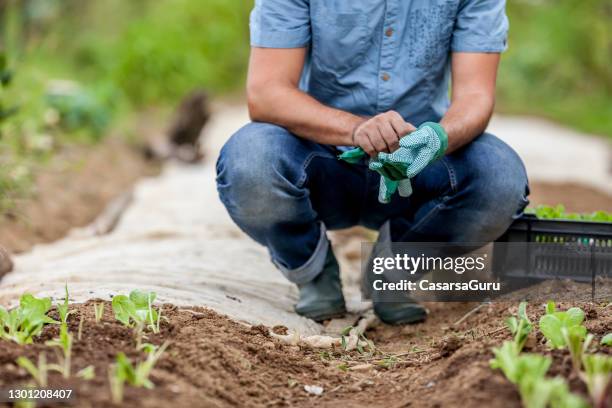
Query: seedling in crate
(597,375)
(124,372)
(565,329)
(38,372)
(520,326)
(25,322)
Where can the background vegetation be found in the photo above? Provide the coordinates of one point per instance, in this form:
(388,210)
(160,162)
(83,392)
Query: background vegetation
(75,67)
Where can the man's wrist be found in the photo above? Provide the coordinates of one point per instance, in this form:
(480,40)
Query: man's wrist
(354,124)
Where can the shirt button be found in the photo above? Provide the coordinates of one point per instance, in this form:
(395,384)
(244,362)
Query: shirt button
(389,32)
(385,77)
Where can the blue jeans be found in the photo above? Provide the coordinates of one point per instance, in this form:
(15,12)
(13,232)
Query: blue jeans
(285,192)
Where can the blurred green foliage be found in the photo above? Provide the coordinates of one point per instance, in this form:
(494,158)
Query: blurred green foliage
(114,57)
(558,62)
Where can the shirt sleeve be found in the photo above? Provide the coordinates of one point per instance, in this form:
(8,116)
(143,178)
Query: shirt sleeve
(481,26)
(280,24)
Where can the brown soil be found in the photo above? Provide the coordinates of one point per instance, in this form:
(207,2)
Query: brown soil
(574,197)
(213,361)
(72,191)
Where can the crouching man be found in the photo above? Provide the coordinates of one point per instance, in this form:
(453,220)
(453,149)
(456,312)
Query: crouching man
(326,77)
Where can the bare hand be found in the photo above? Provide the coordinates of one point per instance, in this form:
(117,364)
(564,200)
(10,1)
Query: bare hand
(381,133)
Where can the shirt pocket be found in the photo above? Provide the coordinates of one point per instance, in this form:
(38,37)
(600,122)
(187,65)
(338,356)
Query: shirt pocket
(429,34)
(339,41)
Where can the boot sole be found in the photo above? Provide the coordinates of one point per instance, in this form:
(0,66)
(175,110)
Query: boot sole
(405,316)
(321,314)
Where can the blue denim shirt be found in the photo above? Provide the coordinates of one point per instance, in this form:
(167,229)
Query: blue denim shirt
(371,56)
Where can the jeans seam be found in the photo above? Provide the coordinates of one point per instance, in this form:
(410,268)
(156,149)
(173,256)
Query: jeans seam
(302,180)
(451,174)
(430,214)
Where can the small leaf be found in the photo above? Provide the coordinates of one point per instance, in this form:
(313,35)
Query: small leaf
(522,312)
(346,331)
(123,309)
(575,316)
(550,326)
(141,299)
(607,340)
(550,307)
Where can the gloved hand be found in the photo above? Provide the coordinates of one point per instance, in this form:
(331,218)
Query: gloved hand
(426,144)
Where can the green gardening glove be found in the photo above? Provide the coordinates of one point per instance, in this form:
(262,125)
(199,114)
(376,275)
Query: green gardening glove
(421,147)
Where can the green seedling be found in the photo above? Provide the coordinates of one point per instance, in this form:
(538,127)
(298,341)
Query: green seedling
(607,340)
(98,311)
(80,329)
(528,373)
(558,212)
(520,326)
(38,372)
(137,309)
(565,329)
(62,308)
(88,373)
(552,323)
(25,322)
(64,343)
(597,375)
(124,372)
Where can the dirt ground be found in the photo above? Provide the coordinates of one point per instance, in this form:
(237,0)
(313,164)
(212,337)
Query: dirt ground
(75,188)
(213,361)
(574,197)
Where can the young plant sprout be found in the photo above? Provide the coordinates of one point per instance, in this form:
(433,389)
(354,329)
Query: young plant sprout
(38,372)
(528,373)
(98,311)
(597,375)
(87,373)
(520,326)
(124,372)
(137,309)
(62,308)
(607,340)
(64,343)
(25,322)
(565,329)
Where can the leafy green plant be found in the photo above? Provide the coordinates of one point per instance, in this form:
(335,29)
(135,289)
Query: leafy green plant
(565,329)
(558,212)
(137,309)
(38,372)
(597,375)
(528,373)
(124,372)
(25,322)
(520,326)
(98,311)
(607,340)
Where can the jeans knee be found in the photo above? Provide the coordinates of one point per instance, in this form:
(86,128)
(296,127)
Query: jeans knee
(251,177)
(496,184)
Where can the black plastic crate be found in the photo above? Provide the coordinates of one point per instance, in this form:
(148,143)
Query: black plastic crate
(555,249)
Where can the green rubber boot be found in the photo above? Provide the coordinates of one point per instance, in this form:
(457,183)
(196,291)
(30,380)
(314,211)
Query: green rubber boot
(392,307)
(321,299)
(396,313)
